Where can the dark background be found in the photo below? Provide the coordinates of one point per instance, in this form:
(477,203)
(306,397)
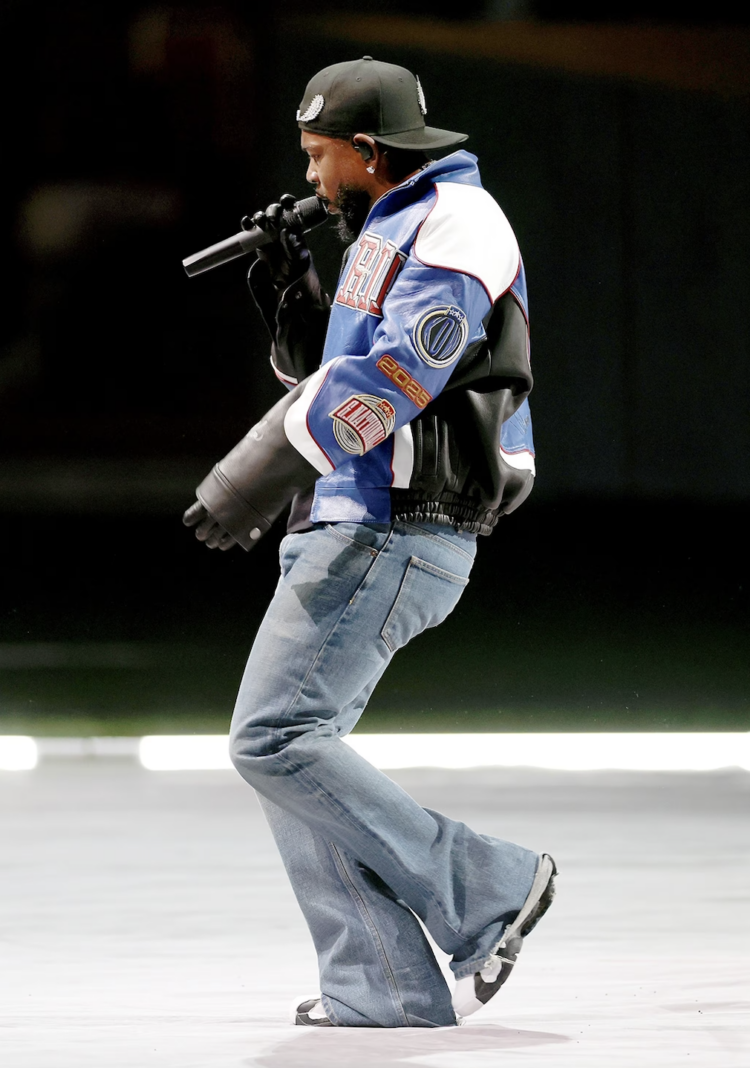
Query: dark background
(616,598)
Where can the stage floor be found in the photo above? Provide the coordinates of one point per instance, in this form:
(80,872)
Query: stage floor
(146,920)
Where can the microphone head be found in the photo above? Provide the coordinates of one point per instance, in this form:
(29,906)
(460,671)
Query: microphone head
(310,212)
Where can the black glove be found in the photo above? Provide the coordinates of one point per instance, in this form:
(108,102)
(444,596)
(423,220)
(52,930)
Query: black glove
(287,257)
(207,529)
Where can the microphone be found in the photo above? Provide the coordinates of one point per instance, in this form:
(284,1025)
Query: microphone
(302,217)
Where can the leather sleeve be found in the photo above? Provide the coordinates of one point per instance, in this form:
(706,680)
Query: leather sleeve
(502,360)
(247,490)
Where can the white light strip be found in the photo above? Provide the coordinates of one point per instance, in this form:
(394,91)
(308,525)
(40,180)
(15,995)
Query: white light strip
(192,752)
(86,748)
(17,753)
(564,752)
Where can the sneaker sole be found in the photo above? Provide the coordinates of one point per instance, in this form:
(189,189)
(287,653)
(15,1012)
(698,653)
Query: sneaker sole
(294,1014)
(466,997)
(536,904)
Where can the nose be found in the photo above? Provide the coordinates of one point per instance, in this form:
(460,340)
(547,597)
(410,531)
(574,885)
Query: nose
(312,175)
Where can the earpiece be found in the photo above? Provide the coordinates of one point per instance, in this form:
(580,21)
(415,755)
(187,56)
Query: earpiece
(364,150)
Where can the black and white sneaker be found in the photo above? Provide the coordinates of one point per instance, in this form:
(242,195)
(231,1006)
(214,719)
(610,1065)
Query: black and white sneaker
(474,991)
(309,1012)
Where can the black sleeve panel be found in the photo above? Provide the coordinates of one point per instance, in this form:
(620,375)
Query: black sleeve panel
(501,361)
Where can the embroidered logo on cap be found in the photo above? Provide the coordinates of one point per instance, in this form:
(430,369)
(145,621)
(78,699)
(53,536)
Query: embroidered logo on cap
(314,109)
(420,97)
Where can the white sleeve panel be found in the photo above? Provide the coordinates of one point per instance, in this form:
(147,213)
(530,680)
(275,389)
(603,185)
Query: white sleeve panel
(521,461)
(403,457)
(296,426)
(467,231)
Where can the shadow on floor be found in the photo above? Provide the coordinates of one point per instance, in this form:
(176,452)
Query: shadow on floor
(367,1048)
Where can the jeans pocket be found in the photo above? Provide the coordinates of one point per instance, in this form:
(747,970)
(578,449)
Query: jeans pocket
(426,596)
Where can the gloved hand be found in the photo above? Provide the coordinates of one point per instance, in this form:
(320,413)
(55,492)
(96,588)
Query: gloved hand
(287,257)
(207,529)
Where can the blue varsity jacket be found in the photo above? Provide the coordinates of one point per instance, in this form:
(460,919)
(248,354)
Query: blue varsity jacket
(417,405)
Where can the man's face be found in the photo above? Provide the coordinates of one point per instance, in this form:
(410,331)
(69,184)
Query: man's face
(341,179)
(332,164)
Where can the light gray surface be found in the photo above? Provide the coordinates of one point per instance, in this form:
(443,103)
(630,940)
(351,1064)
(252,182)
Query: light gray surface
(145,920)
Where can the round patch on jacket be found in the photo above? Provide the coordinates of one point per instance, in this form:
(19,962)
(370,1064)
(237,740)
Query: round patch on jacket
(440,335)
(362,422)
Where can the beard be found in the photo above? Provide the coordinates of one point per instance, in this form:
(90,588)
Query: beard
(353,204)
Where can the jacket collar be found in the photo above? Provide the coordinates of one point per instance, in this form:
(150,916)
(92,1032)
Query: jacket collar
(460,167)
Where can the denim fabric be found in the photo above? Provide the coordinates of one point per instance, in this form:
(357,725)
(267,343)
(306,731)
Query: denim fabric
(363,857)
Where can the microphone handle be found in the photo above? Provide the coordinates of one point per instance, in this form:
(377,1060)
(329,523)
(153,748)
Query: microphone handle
(224,251)
(304,216)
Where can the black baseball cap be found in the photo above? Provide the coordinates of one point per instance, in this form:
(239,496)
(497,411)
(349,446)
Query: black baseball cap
(367,96)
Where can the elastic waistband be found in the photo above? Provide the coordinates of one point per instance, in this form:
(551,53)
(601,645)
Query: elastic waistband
(449,509)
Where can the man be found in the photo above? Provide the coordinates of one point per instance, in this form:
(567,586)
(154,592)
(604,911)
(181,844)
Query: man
(409,439)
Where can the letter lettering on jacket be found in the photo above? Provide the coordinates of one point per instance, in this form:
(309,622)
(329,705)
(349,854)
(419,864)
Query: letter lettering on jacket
(372,271)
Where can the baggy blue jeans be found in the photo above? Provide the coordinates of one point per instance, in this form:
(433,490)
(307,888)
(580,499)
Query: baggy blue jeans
(363,857)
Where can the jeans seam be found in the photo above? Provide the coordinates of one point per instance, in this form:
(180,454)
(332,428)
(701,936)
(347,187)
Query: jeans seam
(350,541)
(438,572)
(281,756)
(361,905)
(329,1011)
(436,537)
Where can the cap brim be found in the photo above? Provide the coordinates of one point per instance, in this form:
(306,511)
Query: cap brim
(423,137)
